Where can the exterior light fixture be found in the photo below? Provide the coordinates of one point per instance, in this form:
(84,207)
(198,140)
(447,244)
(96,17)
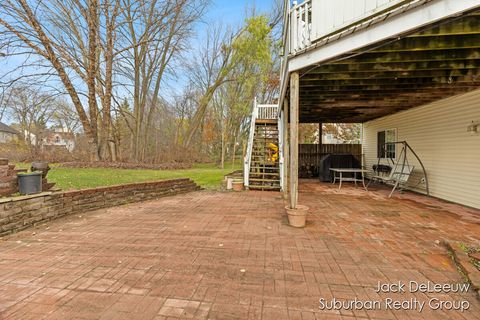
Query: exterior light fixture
(473,128)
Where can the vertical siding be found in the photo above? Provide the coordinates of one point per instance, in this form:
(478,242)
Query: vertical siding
(438,133)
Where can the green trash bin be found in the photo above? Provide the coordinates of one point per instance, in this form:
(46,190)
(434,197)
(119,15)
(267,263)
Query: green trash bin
(30,182)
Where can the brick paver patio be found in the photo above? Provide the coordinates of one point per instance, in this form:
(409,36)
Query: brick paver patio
(212,255)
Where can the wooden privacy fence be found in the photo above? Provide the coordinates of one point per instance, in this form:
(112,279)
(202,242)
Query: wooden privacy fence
(309,155)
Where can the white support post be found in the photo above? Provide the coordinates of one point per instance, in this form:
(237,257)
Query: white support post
(294,115)
(286,151)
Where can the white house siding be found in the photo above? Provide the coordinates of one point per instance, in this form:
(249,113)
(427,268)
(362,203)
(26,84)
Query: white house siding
(6,137)
(438,134)
(329,15)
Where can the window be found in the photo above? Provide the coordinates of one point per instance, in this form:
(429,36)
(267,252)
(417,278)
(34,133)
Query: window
(385,147)
(57,139)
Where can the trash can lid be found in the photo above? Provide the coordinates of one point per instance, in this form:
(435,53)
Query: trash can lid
(34,173)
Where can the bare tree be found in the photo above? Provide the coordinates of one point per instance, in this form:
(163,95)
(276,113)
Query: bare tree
(32,110)
(25,26)
(210,70)
(156,32)
(65,117)
(5,96)
(87,42)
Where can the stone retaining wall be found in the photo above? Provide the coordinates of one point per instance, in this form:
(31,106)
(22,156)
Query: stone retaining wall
(19,213)
(8,178)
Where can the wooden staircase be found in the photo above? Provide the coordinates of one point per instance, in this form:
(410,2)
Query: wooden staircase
(264,169)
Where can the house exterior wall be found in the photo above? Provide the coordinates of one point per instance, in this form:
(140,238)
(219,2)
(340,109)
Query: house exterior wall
(59,140)
(438,134)
(6,137)
(329,15)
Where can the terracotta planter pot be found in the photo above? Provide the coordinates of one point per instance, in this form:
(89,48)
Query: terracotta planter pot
(237,185)
(297,217)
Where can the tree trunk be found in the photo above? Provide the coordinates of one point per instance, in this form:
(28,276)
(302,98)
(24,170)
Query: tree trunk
(91,76)
(48,53)
(222,161)
(234,149)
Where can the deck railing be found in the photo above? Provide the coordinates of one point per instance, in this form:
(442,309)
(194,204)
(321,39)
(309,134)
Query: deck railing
(301,25)
(267,111)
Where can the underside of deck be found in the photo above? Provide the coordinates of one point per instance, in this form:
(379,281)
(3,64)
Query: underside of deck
(429,64)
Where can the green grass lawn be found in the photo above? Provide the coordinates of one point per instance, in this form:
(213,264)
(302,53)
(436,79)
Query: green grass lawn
(208,176)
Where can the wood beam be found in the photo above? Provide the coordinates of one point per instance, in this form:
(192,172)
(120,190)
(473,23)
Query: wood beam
(286,150)
(394,82)
(397,97)
(432,43)
(390,75)
(294,118)
(356,90)
(373,57)
(466,25)
(464,64)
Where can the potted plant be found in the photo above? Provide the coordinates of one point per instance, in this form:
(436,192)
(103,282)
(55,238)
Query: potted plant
(297,216)
(30,182)
(237,184)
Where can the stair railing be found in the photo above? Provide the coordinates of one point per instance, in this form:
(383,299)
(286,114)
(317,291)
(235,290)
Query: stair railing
(248,157)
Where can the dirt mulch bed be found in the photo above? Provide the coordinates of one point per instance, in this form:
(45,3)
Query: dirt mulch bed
(467,261)
(125,165)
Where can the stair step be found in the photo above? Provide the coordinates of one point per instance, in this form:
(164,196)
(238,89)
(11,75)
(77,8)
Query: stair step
(261,154)
(265,174)
(263,138)
(259,166)
(264,164)
(258,148)
(264,188)
(266,125)
(264,180)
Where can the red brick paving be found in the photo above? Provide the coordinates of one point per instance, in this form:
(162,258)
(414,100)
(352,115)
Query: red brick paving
(183,257)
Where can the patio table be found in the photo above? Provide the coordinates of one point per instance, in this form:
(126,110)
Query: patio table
(338,173)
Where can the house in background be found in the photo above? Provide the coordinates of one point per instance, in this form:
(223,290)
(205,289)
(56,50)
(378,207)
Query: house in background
(7,134)
(58,138)
(51,139)
(407,70)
